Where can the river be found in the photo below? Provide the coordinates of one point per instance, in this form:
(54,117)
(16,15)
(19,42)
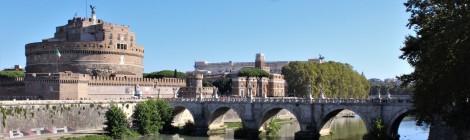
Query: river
(341,128)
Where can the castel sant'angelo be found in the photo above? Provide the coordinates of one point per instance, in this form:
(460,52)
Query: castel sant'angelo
(87,59)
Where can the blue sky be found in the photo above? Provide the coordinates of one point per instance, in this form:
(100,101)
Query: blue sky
(365,33)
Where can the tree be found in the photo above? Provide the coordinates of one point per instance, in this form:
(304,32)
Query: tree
(11,74)
(165,74)
(440,55)
(337,79)
(116,122)
(224,84)
(150,116)
(253,72)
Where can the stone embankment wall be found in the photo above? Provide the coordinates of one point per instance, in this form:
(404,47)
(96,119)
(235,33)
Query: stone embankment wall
(28,118)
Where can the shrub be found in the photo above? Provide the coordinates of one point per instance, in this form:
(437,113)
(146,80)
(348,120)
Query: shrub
(150,116)
(116,122)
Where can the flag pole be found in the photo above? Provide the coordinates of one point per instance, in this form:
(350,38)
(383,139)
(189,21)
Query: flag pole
(57,61)
(86,8)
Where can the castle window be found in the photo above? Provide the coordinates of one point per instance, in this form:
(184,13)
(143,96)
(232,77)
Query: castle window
(110,36)
(119,36)
(122,46)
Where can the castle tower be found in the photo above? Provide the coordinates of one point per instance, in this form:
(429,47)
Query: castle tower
(259,62)
(88,46)
(195,79)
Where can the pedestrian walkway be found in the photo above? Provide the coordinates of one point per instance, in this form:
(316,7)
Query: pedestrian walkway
(59,135)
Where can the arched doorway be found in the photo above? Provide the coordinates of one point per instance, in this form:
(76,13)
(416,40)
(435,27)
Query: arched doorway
(342,124)
(279,122)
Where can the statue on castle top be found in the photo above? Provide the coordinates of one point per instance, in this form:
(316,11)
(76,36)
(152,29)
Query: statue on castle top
(93,9)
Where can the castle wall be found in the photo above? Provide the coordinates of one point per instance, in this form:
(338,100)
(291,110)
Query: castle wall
(9,88)
(65,86)
(84,57)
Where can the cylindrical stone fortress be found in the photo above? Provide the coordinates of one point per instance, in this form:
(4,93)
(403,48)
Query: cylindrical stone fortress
(87,46)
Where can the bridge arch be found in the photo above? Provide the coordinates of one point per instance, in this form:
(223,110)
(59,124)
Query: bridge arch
(271,111)
(215,117)
(392,128)
(330,114)
(179,115)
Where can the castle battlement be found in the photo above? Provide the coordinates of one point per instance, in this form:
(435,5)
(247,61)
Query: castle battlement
(49,48)
(12,81)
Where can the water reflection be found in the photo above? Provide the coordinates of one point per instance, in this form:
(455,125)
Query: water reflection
(409,131)
(350,128)
(342,128)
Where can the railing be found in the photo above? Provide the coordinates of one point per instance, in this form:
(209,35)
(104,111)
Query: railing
(293,100)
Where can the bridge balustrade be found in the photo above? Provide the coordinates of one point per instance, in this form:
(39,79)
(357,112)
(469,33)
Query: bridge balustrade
(294,100)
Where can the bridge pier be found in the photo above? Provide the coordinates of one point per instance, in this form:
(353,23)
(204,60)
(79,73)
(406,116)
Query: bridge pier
(200,131)
(246,134)
(307,135)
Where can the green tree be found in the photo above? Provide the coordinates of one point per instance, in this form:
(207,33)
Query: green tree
(11,74)
(206,83)
(165,74)
(224,84)
(253,72)
(116,122)
(150,116)
(378,131)
(440,55)
(337,79)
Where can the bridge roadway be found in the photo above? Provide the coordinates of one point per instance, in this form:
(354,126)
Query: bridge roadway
(311,114)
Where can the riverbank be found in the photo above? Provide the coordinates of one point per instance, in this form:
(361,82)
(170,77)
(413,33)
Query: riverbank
(81,133)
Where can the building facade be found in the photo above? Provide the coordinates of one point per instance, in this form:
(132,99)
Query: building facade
(272,86)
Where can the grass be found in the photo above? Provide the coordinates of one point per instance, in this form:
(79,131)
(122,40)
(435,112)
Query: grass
(216,132)
(235,125)
(282,120)
(88,137)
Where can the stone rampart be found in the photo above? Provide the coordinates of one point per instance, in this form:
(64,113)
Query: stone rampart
(67,85)
(10,88)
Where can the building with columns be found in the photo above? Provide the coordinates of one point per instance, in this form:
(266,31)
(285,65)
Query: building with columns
(273,86)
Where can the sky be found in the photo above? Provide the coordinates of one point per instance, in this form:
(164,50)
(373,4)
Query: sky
(366,34)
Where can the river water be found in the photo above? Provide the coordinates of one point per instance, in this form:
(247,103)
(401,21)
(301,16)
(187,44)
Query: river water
(341,129)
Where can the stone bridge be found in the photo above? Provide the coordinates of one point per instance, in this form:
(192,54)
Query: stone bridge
(311,114)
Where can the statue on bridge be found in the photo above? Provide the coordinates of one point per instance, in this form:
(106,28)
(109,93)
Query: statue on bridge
(214,92)
(175,92)
(265,92)
(309,92)
(321,96)
(249,91)
(378,92)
